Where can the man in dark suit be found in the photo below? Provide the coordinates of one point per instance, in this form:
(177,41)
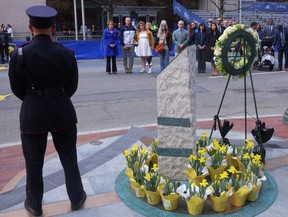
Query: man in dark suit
(44,75)
(220,27)
(281,45)
(269,29)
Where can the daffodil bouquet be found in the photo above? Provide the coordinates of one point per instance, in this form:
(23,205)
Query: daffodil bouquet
(236,178)
(203,141)
(135,157)
(197,162)
(217,153)
(170,187)
(200,189)
(152,179)
(219,185)
(256,164)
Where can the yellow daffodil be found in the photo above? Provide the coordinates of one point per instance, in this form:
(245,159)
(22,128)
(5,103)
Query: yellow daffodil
(192,157)
(194,184)
(202,150)
(155,167)
(223,149)
(246,156)
(216,144)
(134,147)
(147,177)
(232,170)
(143,151)
(257,157)
(126,153)
(202,160)
(224,175)
(204,183)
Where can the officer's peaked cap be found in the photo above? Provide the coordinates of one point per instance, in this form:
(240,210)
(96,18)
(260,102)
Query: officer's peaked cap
(41,16)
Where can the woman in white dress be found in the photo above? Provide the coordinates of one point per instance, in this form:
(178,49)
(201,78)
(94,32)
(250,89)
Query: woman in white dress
(144,43)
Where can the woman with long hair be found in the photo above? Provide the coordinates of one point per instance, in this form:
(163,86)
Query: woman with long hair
(211,40)
(144,43)
(165,37)
(200,41)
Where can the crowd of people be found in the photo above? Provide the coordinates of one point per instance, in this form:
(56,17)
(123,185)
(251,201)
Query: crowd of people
(6,34)
(142,40)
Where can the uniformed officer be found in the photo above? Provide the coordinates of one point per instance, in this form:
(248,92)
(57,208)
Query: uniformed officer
(44,75)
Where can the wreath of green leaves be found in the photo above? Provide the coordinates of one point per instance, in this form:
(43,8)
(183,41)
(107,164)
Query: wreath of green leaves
(235,63)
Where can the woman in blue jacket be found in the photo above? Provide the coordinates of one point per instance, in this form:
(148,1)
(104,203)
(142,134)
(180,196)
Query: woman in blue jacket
(110,36)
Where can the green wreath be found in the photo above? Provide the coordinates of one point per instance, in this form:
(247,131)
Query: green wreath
(235,51)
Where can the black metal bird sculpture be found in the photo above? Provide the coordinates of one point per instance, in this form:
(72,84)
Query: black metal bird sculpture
(262,135)
(224,129)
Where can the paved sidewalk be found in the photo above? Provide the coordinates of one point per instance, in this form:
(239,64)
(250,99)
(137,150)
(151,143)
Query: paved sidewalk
(101,161)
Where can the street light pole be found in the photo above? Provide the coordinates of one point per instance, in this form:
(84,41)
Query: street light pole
(75,20)
(83,20)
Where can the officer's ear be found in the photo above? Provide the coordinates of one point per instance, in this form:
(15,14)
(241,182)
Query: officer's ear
(53,28)
(31,28)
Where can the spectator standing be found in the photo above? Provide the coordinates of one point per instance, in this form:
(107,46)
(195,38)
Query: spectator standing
(165,37)
(149,59)
(269,29)
(213,35)
(44,75)
(280,43)
(191,35)
(10,32)
(200,41)
(144,43)
(220,27)
(127,37)
(260,32)
(194,27)
(180,38)
(253,30)
(2,45)
(110,36)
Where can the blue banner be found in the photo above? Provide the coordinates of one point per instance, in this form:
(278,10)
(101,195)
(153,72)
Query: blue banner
(264,6)
(185,14)
(90,49)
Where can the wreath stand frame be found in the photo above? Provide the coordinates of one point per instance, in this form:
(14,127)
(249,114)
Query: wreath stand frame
(245,38)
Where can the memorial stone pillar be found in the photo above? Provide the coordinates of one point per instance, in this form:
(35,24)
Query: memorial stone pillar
(176,98)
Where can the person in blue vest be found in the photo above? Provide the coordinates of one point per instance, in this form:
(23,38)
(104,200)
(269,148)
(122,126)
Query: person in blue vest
(110,36)
(44,75)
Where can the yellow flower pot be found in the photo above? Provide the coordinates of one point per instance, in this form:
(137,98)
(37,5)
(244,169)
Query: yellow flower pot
(215,172)
(137,189)
(153,197)
(254,193)
(239,197)
(220,203)
(171,201)
(193,177)
(195,205)
(129,173)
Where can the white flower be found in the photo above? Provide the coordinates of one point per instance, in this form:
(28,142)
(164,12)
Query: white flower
(183,191)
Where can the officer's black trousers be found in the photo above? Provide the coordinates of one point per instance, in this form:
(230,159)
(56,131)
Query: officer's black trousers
(34,146)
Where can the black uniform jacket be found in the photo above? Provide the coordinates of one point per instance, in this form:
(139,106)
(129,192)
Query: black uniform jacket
(49,66)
